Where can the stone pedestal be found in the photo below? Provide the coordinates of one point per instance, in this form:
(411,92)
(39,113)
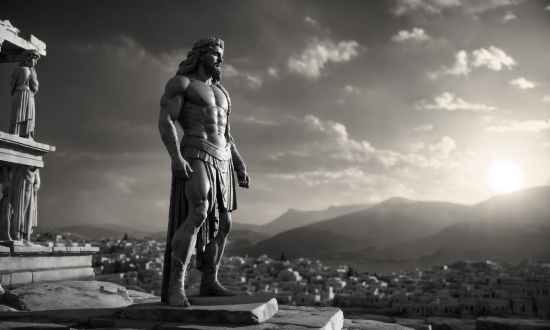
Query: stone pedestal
(209,310)
(24,265)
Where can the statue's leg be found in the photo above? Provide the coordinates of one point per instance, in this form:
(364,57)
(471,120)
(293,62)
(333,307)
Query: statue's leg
(210,286)
(184,240)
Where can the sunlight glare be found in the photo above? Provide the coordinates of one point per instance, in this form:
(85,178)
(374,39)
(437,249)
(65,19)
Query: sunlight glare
(505,176)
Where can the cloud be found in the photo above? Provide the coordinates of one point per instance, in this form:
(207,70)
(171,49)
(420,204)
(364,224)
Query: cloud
(461,65)
(508,17)
(318,53)
(493,59)
(520,126)
(349,89)
(416,34)
(423,128)
(478,7)
(448,101)
(546,98)
(522,83)
(251,80)
(547,8)
(404,7)
(251,120)
(445,146)
(436,7)
(272,72)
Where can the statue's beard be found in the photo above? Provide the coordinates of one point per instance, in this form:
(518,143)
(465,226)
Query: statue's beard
(214,70)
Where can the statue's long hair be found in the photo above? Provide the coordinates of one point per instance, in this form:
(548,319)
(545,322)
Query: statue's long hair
(190,64)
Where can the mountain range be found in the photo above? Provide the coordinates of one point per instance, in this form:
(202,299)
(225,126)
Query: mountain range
(506,227)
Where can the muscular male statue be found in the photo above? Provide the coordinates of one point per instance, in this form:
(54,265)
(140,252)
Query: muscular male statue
(24,84)
(202,171)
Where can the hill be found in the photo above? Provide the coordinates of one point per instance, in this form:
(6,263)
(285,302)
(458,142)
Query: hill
(396,220)
(294,218)
(301,242)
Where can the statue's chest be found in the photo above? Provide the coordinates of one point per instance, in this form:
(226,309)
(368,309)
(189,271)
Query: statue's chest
(206,95)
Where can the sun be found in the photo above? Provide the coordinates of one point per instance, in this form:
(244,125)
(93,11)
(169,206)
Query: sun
(505,176)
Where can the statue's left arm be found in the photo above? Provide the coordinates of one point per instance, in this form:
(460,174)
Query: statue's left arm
(33,81)
(36,184)
(238,162)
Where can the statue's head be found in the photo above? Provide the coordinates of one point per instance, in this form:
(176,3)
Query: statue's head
(207,52)
(30,57)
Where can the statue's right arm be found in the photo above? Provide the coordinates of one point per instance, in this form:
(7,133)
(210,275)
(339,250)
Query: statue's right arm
(171,105)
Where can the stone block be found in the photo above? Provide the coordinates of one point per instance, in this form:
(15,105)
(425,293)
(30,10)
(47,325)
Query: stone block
(212,310)
(31,249)
(4,249)
(326,318)
(60,249)
(15,263)
(21,278)
(495,323)
(357,324)
(5,279)
(56,275)
(68,295)
(73,249)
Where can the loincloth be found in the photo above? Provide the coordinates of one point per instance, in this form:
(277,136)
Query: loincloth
(219,169)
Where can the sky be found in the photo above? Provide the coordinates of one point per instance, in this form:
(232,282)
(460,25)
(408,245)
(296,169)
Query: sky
(333,103)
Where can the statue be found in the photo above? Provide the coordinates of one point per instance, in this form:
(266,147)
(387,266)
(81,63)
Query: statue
(24,185)
(202,171)
(24,85)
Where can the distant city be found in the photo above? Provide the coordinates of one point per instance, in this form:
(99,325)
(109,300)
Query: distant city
(463,289)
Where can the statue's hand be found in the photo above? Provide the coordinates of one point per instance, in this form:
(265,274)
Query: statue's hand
(181,168)
(244,180)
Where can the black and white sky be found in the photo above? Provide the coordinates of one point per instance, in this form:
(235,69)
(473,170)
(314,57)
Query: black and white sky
(334,102)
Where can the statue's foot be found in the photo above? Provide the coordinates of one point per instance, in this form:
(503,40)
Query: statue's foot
(178,299)
(215,289)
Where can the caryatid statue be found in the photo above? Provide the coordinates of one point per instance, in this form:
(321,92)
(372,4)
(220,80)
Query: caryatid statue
(25,182)
(24,84)
(202,170)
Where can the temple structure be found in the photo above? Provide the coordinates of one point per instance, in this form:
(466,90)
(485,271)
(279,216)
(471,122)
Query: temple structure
(21,261)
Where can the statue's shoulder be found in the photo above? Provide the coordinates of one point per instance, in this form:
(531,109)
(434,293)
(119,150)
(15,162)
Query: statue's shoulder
(22,70)
(177,84)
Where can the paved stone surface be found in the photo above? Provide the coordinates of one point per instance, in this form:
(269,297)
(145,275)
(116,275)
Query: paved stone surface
(69,295)
(234,310)
(356,324)
(495,323)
